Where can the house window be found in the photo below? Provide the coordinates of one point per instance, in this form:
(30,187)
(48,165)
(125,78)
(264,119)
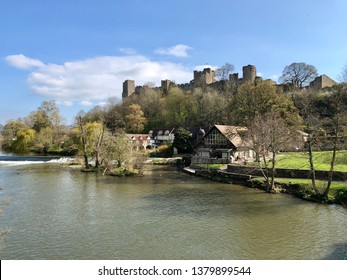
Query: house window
(215,138)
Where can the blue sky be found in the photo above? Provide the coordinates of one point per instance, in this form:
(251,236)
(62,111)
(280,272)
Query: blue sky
(78,52)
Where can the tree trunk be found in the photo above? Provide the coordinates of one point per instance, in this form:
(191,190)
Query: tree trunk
(312,169)
(273,169)
(332,164)
(84,144)
(266,172)
(97,148)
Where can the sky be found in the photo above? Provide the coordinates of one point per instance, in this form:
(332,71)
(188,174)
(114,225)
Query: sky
(79,52)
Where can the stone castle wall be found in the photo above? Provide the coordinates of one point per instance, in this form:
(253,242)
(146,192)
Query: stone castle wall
(207,78)
(321,82)
(204,78)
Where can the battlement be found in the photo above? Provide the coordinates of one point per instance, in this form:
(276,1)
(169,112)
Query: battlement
(249,73)
(205,78)
(128,88)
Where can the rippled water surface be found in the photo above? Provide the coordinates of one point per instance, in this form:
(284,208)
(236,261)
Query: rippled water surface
(56,212)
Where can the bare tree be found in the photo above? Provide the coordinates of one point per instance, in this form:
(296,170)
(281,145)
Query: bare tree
(343,75)
(223,72)
(338,124)
(298,74)
(269,134)
(83,139)
(325,126)
(311,124)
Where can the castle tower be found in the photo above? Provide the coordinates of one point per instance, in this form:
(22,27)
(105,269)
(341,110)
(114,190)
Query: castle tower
(165,86)
(249,73)
(205,77)
(128,88)
(234,77)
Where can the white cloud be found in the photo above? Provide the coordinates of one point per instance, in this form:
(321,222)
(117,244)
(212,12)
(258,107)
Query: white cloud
(274,77)
(128,51)
(23,62)
(103,104)
(65,103)
(95,79)
(179,50)
(86,103)
(202,67)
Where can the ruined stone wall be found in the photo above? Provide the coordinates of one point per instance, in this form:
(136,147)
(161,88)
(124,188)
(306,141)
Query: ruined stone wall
(165,86)
(321,82)
(249,73)
(128,88)
(205,77)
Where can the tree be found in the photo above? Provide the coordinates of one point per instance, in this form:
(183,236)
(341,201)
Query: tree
(325,122)
(88,138)
(269,134)
(82,140)
(183,140)
(252,100)
(17,136)
(113,116)
(337,124)
(135,120)
(175,108)
(149,100)
(23,141)
(343,75)
(311,125)
(44,140)
(115,149)
(211,108)
(47,122)
(223,72)
(298,74)
(38,120)
(47,115)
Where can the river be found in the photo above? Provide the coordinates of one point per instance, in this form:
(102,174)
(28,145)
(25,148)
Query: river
(57,212)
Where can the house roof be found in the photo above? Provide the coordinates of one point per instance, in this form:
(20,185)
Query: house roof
(139,136)
(195,131)
(232,133)
(161,131)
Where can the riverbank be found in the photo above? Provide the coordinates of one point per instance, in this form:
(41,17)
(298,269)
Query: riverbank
(298,189)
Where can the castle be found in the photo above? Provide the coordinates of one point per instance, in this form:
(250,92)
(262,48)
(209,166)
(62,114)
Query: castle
(207,78)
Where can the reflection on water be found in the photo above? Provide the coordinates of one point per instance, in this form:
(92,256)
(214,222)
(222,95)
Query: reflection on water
(59,213)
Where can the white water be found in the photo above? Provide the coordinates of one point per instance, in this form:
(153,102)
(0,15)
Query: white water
(26,162)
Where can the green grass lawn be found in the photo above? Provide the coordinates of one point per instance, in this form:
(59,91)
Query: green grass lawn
(299,160)
(335,186)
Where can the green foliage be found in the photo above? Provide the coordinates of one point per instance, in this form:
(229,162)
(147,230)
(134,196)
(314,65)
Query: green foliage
(253,100)
(10,132)
(164,151)
(183,141)
(135,120)
(341,195)
(176,108)
(299,160)
(122,171)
